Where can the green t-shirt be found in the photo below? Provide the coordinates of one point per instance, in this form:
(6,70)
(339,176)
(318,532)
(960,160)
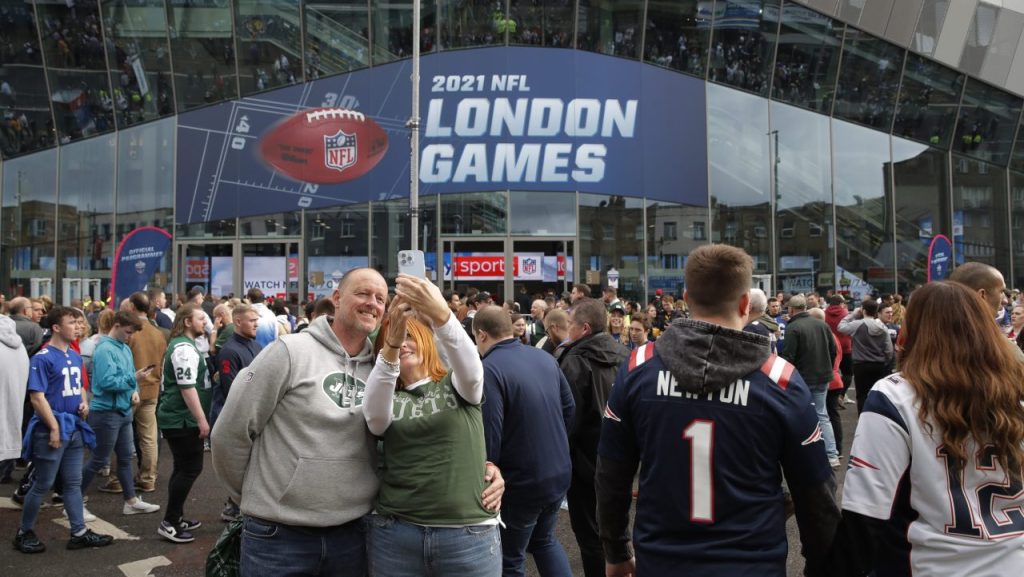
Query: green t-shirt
(434,458)
(184,367)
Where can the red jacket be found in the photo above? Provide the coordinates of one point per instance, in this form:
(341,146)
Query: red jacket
(834,314)
(837,377)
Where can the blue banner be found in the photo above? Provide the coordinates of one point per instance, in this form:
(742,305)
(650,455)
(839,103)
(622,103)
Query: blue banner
(138,256)
(940,258)
(503,118)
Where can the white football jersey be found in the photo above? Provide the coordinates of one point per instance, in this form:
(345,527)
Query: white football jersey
(942,521)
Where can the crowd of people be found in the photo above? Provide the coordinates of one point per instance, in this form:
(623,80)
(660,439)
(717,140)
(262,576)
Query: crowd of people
(459,428)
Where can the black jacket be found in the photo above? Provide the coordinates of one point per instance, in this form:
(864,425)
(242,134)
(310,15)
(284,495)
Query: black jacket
(30,332)
(590,365)
(810,347)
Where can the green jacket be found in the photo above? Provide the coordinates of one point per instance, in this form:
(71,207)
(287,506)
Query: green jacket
(809,346)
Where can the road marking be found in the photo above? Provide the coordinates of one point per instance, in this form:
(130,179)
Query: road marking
(101,527)
(8,503)
(143,567)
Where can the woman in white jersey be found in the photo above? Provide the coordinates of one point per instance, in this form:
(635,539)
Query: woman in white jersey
(934,480)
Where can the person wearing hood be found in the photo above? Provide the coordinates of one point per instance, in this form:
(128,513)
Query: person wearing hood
(717,421)
(589,361)
(12,394)
(292,447)
(872,348)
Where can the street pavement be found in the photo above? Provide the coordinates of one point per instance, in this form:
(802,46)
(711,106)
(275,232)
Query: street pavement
(139,551)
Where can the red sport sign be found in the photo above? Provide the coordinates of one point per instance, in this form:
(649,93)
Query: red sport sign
(491,266)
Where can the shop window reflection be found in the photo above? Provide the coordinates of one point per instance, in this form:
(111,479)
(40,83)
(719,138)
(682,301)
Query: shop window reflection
(337,37)
(26,123)
(868,80)
(268,35)
(474,213)
(980,219)
(988,120)
(611,242)
(542,213)
(270,225)
(474,23)
(674,230)
(926,110)
(139,58)
(203,49)
(921,197)
(613,28)
(29,224)
(1017,227)
(392,30)
(145,175)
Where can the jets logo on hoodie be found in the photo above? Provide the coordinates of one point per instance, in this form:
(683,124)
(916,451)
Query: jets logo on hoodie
(345,390)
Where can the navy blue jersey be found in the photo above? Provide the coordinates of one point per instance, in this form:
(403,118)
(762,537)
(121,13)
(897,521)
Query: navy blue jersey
(58,375)
(710,499)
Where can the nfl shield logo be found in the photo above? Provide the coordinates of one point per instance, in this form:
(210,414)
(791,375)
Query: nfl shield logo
(529,266)
(340,151)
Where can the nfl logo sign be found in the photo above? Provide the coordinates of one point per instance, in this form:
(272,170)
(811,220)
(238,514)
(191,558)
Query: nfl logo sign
(340,151)
(529,266)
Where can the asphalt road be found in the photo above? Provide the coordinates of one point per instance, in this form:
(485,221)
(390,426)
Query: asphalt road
(139,551)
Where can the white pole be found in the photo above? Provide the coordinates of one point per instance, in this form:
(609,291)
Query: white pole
(414,126)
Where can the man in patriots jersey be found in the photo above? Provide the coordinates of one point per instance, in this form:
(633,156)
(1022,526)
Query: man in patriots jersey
(716,420)
(57,434)
(934,481)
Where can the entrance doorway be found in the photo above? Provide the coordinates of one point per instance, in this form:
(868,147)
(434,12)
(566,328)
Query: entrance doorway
(232,268)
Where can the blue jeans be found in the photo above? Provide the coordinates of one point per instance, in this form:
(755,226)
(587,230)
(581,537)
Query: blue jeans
(113,433)
(276,550)
(532,529)
(401,549)
(819,394)
(67,459)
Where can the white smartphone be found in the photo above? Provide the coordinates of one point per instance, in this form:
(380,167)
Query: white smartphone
(412,263)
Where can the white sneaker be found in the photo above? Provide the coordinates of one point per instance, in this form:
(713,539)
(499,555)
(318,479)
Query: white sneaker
(140,506)
(86,515)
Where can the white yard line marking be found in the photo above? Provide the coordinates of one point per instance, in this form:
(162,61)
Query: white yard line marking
(101,527)
(7,503)
(143,567)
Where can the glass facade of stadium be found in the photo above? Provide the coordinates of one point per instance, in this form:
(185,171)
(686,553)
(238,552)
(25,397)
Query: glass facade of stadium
(833,157)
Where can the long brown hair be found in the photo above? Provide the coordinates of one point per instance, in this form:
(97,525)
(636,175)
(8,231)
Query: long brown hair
(969,383)
(183,313)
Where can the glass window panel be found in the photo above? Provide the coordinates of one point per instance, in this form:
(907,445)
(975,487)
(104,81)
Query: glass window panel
(140,63)
(337,37)
(673,231)
(980,220)
(277,224)
(743,43)
(807,59)
(218,228)
(988,120)
(145,176)
(608,239)
(921,196)
(392,29)
(543,213)
(542,23)
(868,80)
(203,52)
(269,44)
(474,213)
(979,38)
(864,223)
(929,24)
(610,27)
(85,210)
(850,10)
(390,226)
(25,121)
(804,193)
(77,68)
(1017,226)
(29,220)
(473,23)
(1017,160)
(337,239)
(926,109)
(678,34)
(739,152)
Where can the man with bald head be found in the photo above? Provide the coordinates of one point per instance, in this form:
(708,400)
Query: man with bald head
(527,417)
(988,282)
(29,330)
(536,332)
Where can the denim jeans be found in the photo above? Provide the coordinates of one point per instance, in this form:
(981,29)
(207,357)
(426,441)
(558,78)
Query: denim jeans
(819,394)
(401,549)
(277,550)
(67,459)
(113,433)
(531,529)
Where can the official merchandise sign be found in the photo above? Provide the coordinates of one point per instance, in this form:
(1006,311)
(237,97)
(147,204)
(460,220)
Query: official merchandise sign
(137,259)
(501,118)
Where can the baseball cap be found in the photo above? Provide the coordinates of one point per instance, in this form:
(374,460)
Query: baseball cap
(482,297)
(617,308)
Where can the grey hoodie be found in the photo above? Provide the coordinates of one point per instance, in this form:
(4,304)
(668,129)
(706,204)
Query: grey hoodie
(291,444)
(13,385)
(705,358)
(871,342)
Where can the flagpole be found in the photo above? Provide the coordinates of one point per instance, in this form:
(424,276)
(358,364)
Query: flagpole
(414,126)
